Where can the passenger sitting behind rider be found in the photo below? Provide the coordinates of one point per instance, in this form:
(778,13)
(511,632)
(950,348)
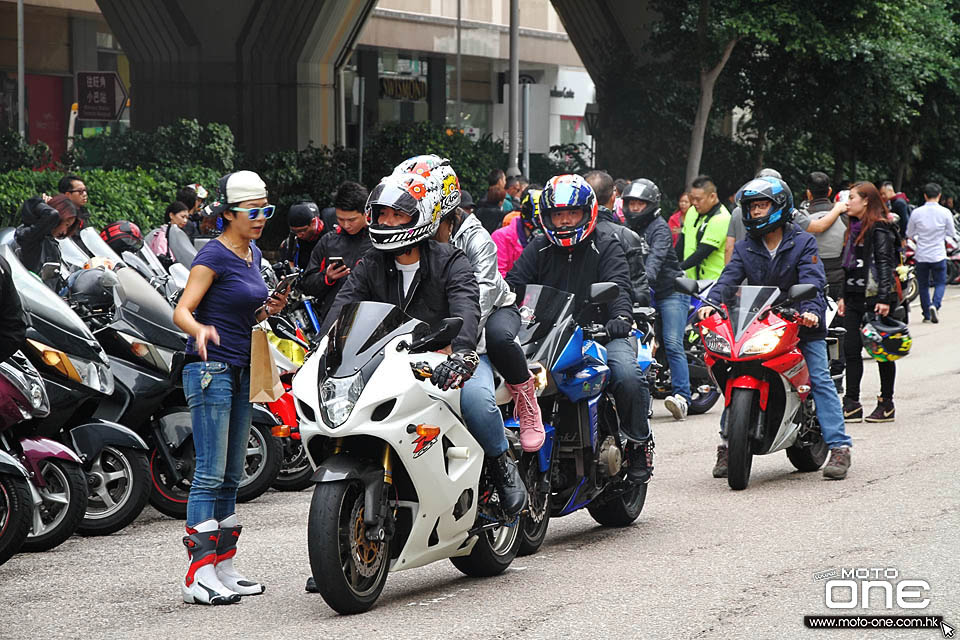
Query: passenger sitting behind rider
(779,254)
(572,255)
(430,281)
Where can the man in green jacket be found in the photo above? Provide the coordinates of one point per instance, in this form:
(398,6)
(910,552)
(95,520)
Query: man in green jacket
(701,245)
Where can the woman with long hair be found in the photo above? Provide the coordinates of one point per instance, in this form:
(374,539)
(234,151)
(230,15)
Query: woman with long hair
(869,286)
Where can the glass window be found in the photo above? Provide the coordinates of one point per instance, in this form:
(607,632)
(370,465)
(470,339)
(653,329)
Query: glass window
(572,130)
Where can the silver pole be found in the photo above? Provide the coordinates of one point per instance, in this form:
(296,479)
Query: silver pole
(360,136)
(526,130)
(21,89)
(459,75)
(514,83)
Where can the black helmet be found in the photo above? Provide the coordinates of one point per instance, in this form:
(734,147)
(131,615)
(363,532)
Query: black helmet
(765,188)
(123,235)
(647,191)
(884,338)
(92,288)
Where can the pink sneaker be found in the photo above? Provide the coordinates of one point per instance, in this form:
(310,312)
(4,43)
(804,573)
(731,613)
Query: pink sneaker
(527,411)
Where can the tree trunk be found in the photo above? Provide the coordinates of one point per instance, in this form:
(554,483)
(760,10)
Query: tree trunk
(759,151)
(708,80)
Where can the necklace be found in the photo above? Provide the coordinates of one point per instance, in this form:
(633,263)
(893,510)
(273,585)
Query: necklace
(247,257)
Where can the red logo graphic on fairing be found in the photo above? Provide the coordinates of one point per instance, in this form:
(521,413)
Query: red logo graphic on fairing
(423,443)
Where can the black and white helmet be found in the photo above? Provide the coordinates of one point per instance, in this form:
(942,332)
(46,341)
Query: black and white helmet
(416,195)
(646,191)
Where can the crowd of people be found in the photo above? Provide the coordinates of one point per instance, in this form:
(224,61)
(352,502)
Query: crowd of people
(418,241)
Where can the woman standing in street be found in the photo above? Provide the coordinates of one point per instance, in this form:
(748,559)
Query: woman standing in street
(224,297)
(869,261)
(676,220)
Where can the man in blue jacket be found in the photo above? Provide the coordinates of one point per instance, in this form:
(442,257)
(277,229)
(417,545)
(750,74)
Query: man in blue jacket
(776,253)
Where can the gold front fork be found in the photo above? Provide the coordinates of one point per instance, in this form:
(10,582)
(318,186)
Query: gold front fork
(337,446)
(387,465)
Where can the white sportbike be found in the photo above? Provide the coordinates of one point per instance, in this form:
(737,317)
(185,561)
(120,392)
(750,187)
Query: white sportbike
(400,482)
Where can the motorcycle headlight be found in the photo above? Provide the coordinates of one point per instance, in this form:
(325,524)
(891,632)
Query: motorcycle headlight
(36,396)
(96,375)
(338,396)
(716,343)
(763,342)
(159,357)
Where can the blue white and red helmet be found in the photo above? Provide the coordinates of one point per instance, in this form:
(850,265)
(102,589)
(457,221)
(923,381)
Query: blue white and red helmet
(567,192)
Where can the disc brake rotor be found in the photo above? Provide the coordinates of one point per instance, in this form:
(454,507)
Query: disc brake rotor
(366,554)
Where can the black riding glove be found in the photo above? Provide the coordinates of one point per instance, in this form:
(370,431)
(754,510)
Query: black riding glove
(455,370)
(618,327)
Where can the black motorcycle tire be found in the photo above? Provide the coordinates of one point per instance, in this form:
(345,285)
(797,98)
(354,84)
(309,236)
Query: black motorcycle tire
(740,419)
(265,466)
(16,512)
(621,510)
(329,528)
(134,496)
(807,458)
(168,498)
(911,289)
(70,479)
(296,479)
(532,531)
(953,271)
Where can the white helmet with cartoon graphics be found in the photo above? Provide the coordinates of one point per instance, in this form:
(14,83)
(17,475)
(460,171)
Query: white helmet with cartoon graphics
(433,166)
(418,196)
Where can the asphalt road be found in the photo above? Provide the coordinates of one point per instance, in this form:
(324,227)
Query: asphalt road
(701,562)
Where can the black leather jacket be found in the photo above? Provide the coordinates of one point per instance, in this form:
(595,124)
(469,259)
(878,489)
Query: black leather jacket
(443,287)
(880,251)
(632,245)
(660,258)
(599,258)
(34,236)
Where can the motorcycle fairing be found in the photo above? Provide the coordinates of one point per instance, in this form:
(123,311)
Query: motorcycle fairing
(747,382)
(36,450)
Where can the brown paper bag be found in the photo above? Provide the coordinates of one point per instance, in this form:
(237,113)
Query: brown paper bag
(265,383)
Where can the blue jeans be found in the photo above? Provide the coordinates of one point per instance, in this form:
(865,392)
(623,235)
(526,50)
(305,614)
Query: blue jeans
(938,272)
(829,409)
(629,387)
(478,403)
(221,415)
(674,310)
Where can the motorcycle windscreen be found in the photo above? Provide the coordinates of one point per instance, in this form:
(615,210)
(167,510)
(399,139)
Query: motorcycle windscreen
(541,309)
(96,246)
(72,255)
(744,304)
(147,311)
(361,331)
(50,316)
(180,246)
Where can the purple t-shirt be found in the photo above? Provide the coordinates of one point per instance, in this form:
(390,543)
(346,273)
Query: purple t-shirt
(230,303)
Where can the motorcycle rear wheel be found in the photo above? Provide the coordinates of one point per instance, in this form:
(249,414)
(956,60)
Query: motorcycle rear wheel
(64,503)
(16,511)
(349,570)
(911,289)
(741,417)
(262,464)
(953,271)
(807,458)
(295,472)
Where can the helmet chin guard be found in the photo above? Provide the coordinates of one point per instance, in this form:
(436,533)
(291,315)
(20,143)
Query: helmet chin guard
(416,195)
(567,192)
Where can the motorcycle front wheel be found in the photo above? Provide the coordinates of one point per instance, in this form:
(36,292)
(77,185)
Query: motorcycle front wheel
(63,502)
(16,511)
(534,523)
(911,289)
(349,570)
(295,472)
(118,488)
(262,464)
(741,417)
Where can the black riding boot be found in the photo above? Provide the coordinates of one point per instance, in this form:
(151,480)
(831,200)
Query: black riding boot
(506,478)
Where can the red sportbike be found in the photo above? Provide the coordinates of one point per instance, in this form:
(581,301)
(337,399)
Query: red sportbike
(752,353)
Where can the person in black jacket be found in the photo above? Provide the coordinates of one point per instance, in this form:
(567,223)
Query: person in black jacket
(631,243)
(432,281)
(571,255)
(641,207)
(869,262)
(43,224)
(306,229)
(349,241)
(11,313)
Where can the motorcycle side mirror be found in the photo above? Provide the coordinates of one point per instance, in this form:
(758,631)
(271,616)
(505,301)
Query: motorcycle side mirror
(286,330)
(801,292)
(688,286)
(603,292)
(138,264)
(446,331)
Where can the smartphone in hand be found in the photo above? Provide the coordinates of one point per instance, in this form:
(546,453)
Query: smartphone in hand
(336,262)
(285,283)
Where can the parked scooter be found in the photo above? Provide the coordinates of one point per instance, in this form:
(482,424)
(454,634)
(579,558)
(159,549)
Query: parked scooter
(52,502)
(752,352)
(400,482)
(581,463)
(146,354)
